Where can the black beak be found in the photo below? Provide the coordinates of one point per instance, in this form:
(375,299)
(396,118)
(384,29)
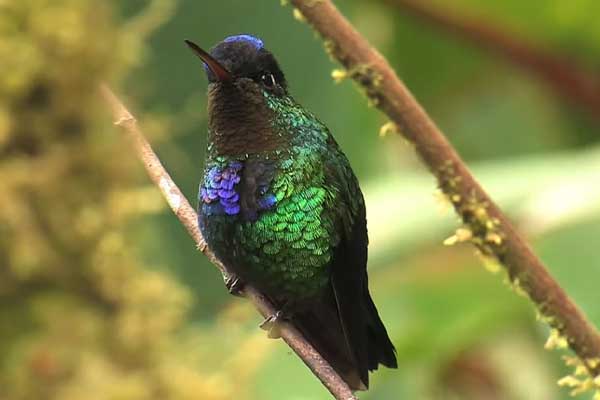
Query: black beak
(220,71)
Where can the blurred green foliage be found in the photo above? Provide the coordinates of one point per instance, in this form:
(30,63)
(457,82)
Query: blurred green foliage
(80,316)
(102,294)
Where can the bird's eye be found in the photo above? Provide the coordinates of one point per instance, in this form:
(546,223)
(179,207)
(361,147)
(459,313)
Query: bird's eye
(268,80)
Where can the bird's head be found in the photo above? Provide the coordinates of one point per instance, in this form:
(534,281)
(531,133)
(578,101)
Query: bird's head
(244,79)
(241,58)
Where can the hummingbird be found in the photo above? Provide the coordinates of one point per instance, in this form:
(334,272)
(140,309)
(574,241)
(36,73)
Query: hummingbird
(280,205)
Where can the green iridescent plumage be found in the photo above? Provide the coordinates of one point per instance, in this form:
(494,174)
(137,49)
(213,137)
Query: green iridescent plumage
(297,237)
(280,205)
(290,245)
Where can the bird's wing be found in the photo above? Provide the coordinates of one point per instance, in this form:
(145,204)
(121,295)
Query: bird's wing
(364,332)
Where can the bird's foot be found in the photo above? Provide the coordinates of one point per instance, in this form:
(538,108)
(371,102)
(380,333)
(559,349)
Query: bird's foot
(272,324)
(234,285)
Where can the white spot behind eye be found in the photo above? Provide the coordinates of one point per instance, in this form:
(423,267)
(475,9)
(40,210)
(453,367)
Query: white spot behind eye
(269,80)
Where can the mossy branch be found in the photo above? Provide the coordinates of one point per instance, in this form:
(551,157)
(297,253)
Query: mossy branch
(186,214)
(490,230)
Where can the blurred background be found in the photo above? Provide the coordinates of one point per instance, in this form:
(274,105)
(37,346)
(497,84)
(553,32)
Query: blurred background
(104,296)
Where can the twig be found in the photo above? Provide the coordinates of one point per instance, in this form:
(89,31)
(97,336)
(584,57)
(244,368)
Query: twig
(568,79)
(489,229)
(186,214)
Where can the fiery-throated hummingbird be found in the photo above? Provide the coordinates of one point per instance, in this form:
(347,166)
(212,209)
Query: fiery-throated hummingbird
(280,205)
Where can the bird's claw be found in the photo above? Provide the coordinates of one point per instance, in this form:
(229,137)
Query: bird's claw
(272,324)
(234,285)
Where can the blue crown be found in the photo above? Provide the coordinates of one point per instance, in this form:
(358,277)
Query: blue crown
(254,41)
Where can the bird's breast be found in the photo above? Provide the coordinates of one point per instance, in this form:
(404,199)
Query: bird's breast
(270,219)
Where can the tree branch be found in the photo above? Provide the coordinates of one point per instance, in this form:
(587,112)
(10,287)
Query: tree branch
(489,229)
(568,79)
(186,214)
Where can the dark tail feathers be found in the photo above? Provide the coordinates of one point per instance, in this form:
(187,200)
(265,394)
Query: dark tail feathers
(347,331)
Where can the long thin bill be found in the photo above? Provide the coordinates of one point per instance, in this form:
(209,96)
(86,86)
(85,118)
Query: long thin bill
(220,72)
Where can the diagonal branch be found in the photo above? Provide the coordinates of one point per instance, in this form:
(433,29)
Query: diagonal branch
(566,77)
(488,228)
(186,214)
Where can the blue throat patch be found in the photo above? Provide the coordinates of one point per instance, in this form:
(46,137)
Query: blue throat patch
(218,194)
(254,41)
(219,186)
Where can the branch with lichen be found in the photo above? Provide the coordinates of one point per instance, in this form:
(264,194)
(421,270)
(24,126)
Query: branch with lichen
(186,214)
(566,77)
(485,225)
